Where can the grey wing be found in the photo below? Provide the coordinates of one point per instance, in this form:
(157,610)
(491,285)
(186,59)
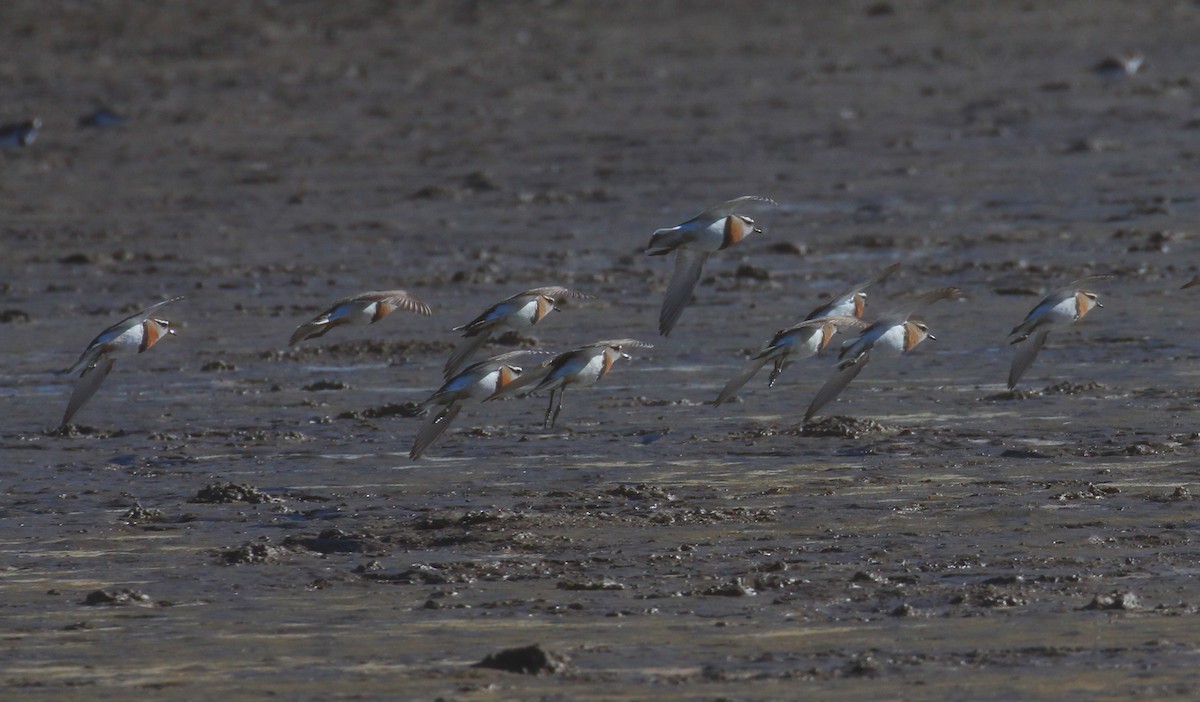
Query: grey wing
(1025,353)
(730,206)
(559,293)
(834,386)
(145,314)
(433,427)
(877,278)
(463,353)
(836,320)
(404,300)
(89,382)
(1075,285)
(902,313)
(308,330)
(735,383)
(688,267)
(401,299)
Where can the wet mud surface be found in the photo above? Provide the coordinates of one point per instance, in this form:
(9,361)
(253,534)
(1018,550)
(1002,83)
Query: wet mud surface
(233,518)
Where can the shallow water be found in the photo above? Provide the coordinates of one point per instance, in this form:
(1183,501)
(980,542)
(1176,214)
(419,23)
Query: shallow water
(931,536)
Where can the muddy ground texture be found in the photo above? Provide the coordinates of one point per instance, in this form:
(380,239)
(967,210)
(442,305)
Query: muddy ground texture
(231,518)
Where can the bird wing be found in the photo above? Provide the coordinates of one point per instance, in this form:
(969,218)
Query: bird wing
(901,313)
(859,287)
(87,385)
(143,315)
(402,299)
(1024,355)
(463,352)
(834,386)
(730,206)
(836,320)
(748,371)
(559,293)
(688,267)
(432,428)
(619,344)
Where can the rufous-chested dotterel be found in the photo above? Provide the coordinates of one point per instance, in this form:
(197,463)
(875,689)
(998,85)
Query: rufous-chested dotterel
(712,230)
(520,311)
(365,308)
(893,334)
(809,337)
(1060,308)
(476,383)
(581,367)
(130,336)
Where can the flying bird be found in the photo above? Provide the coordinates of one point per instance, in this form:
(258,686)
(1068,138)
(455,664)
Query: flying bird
(365,308)
(130,336)
(808,337)
(800,340)
(693,242)
(517,312)
(476,383)
(1060,308)
(582,367)
(891,334)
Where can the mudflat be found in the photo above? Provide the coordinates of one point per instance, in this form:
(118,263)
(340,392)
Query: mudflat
(233,518)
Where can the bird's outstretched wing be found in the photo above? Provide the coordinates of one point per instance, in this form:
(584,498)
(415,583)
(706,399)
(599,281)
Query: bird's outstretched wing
(1026,351)
(87,385)
(834,386)
(688,267)
(463,353)
(877,278)
(748,371)
(730,206)
(432,428)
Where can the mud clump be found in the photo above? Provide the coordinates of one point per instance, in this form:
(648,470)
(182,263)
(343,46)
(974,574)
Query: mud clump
(845,427)
(227,493)
(337,541)
(1011,396)
(325,385)
(80,431)
(11,316)
(736,587)
(590,585)
(529,660)
(116,598)
(1089,492)
(137,514)
(1122,601)
(456,518)
(250,553)
(391,409)
(641,491)
(1065,388)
